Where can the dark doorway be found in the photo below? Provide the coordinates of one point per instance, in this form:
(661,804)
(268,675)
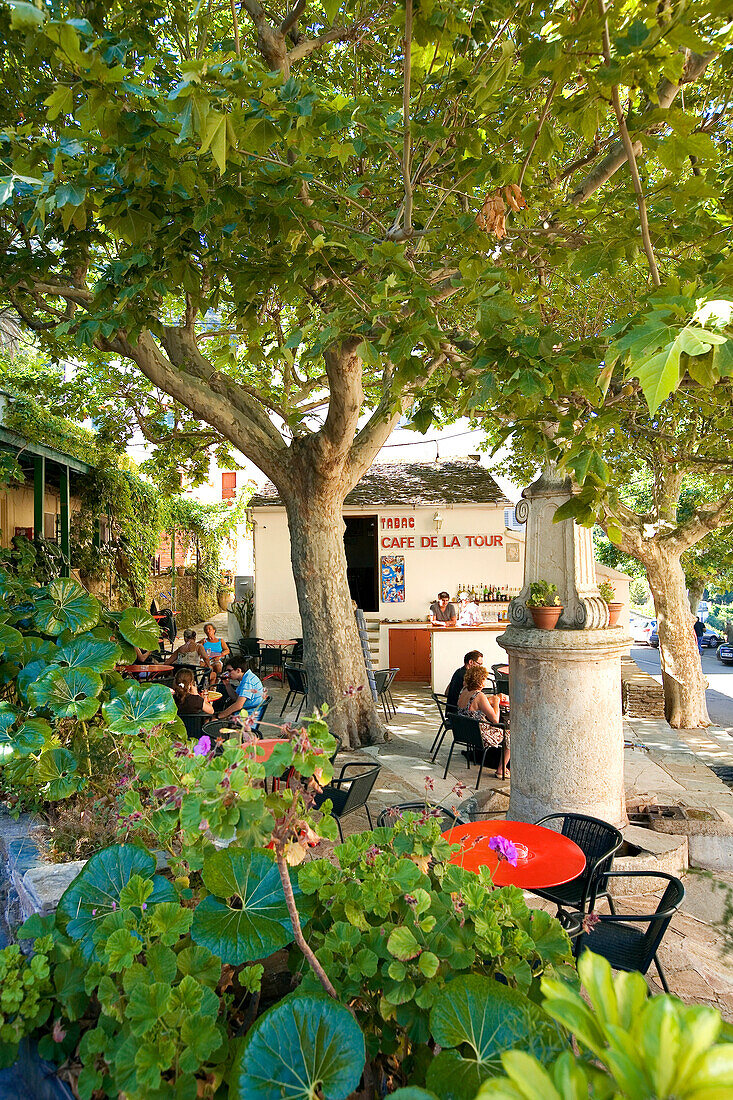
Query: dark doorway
(360,542)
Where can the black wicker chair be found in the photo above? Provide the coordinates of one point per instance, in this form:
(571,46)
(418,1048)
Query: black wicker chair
(382,680)
(350,793)
(391,815)
(628,948)
(194,724)
(297,679)
(467,732)
(501,679)
(388,689)
(599,842)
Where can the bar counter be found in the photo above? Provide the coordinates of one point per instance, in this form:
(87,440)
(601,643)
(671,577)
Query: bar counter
(433,653)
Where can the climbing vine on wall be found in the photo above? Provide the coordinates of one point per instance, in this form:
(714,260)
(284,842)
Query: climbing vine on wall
(140,515)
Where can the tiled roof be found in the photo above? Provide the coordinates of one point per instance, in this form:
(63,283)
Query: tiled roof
(401,484)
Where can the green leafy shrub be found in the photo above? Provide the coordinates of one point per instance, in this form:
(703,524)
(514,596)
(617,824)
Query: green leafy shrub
(393,922)
(632,1046)
(606,591)
(543,594)
(25,995)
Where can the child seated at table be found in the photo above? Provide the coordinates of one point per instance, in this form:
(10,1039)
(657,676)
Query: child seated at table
(186,694)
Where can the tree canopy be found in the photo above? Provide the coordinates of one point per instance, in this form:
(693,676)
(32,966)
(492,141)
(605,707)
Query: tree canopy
(301,222)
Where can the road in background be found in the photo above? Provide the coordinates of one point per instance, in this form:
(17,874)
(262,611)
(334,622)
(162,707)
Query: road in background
(719,676)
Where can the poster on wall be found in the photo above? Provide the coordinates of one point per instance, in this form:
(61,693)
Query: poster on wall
(393,579)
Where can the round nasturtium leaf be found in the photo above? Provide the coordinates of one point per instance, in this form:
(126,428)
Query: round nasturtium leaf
(96,890)
(67,692)
(32,736)
(483,1019)
(68,607)
(38,649)
(11,641)
(89,652)
(259,925)
(139,628)
(307,1045)
(140,708)
(57,770)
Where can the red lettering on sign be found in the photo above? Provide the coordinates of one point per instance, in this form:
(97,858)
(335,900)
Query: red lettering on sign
(469,539)
(411,543)
(480,540)
(425,540)
(498,540)
(434,540)
(386,542)
(455,541)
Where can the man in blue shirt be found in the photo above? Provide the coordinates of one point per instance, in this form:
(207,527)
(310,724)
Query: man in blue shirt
(246,690)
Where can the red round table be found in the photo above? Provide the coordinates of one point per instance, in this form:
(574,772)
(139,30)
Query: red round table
(552,858)
(265,748)
(143,671)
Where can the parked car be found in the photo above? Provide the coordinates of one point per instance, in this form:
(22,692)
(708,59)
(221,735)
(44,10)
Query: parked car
(710,639)
(640,629)
(724,653)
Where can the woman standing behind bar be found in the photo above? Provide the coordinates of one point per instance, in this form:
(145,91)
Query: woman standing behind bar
(216,651)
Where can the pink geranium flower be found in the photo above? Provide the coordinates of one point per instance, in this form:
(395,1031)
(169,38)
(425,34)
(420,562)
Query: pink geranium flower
(202,746)
(504,849)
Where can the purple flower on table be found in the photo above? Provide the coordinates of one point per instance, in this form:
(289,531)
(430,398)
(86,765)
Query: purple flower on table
(202,746)
(504,849)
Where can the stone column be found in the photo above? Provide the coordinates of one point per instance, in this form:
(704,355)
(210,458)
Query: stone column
(567,749)
(567,732)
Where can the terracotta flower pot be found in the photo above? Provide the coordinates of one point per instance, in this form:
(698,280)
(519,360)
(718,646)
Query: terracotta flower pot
(546,617)
(614,610)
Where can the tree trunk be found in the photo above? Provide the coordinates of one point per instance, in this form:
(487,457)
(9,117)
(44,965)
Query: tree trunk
(332,648)
(684,684)
(696,590)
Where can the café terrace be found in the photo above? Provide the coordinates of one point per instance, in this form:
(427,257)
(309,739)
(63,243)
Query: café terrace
(410,531)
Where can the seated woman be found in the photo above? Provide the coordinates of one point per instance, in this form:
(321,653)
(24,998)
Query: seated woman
(216,651)
(192,653)
(472,703)
(186,694)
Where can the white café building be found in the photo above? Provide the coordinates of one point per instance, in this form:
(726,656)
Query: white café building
(410,531)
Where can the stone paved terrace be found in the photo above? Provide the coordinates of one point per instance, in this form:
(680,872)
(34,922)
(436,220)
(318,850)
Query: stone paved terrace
(661,764)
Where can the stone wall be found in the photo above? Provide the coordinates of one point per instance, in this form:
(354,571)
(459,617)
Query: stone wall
(641,695)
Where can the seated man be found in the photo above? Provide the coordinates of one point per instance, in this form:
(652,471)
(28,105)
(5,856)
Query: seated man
(245,690)
(455,687)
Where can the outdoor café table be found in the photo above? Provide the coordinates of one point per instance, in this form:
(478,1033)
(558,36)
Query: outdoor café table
(264,750)
(143,672)
(552,859)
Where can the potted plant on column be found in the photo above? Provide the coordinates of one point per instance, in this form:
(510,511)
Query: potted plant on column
(544,604)
(607,592)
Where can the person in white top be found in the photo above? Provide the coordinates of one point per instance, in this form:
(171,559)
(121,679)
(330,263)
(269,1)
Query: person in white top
(469,614)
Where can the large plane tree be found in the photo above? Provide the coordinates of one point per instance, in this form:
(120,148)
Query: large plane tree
(301,222)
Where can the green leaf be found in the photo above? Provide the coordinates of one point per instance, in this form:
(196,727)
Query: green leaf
(67,692)
(659,375)
(215,138)
(306,1046)
(60,102)
(169,921)
(140,707)
(56,769)
(121,949)
(199,962)
(90,652)
(25,16)
(11,641)
(402,944)
(262,924)
(68,607)
(487,1018)
(139,628)
(96,891)
(32,736)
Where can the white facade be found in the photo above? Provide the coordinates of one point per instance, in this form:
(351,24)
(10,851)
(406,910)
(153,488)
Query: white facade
(470,548)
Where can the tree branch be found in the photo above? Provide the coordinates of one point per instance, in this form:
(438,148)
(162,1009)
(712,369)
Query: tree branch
(293,16)
(615,158)
(535,138)
(630,156)
(407,139)
(309,45)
